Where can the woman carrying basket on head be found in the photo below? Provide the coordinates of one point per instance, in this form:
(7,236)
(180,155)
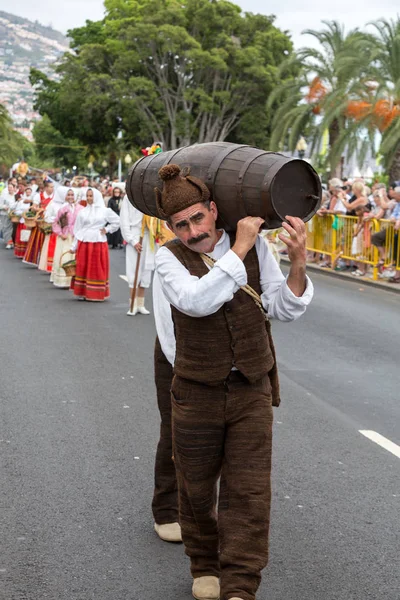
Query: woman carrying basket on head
(91,281)
(63,227)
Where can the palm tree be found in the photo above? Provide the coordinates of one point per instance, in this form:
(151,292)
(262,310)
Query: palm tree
(387,103)
(316,100)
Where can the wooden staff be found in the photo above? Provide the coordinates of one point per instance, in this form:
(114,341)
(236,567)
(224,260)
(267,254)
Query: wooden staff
(133,293)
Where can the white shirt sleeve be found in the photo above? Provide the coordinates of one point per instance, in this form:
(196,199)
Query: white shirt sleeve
(77,227)
(277,298)
(112,219)
(131,222)
(164,322)
(200,297)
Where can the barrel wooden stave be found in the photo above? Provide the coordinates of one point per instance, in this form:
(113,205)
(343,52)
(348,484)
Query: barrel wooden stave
(242,180)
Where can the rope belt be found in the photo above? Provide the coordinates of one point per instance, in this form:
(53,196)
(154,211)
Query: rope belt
(210,262)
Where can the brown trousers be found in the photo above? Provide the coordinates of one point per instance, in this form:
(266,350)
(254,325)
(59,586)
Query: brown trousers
(225,432)
(165,499)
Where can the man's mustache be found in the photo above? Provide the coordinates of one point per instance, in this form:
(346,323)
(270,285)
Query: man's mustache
(196,240)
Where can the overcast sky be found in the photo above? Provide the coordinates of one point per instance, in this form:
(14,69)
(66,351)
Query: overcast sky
(293,15)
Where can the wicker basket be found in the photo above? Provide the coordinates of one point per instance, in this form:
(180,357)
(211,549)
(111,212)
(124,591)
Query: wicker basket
(47,228)
(39,223)
(15,218)
(69,267)
(30,222)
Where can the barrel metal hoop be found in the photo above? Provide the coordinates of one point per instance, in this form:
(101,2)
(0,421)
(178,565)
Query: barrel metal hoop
(131,175)
(168,160)
(142,174)
(242,173)
(136,164)
(216,163)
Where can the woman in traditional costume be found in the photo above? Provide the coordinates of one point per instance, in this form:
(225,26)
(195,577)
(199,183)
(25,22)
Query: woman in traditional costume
(37,238)
(22,234)
(63,227)
(50,240)
(7,203)
(115,239)
(91,281)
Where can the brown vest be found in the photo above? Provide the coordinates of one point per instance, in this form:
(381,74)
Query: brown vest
(237,335)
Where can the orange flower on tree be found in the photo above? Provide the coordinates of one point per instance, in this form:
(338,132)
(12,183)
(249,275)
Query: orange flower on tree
(316,92)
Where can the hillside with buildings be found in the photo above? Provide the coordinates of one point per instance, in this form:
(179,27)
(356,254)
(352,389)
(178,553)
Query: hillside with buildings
(25,44)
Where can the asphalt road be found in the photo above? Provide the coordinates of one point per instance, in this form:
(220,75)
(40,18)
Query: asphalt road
(78,431)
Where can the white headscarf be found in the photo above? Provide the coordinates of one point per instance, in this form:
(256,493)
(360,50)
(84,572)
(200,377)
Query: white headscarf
(75,192)
(119,184)
(61,193)
(98,201)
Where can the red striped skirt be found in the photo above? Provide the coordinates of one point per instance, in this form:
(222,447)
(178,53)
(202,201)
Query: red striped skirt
(51,250)
(34,247)
(20,247)
(92,271)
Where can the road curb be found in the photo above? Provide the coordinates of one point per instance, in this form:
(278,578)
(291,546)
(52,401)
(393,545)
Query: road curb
(387,287)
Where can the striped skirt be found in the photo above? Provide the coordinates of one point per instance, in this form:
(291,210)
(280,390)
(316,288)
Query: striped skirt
(58,276)
(92,271)
(20,247)
(34,247)
(47,254)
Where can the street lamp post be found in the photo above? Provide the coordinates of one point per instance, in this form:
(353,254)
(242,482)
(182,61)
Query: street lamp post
(119,137)
(301,147)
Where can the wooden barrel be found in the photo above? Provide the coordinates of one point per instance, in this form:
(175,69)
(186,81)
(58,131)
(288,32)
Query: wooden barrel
(243,181)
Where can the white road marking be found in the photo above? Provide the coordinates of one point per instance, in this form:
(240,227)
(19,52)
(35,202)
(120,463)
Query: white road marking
(381,441)
(124,277)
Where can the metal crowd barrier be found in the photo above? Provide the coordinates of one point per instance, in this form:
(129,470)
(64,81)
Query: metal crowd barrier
(333,236)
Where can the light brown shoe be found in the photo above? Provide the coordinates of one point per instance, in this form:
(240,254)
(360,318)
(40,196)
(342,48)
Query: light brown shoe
(169,532)
(206,588)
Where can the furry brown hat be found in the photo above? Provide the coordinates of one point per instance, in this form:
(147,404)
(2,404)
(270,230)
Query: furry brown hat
(179,192)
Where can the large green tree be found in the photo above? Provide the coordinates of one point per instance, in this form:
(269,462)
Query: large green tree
(11,142)
(162,70)
(51,145)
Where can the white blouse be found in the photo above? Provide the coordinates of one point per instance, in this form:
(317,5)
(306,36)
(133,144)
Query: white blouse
(130,222)
(90,221)
(51,211)
(20,207)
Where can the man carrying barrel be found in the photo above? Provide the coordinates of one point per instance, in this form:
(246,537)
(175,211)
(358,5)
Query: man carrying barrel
(222,289)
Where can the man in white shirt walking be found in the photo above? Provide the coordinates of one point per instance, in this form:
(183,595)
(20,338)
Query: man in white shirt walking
(219,289)
(137,249)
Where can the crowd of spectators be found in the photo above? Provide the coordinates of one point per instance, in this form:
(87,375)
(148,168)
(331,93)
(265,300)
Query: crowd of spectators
(356,199)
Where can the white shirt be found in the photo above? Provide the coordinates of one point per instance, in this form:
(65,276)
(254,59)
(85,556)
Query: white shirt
(7,201)
(173,284)
(340,207)
(130,222)
(20,207)
(89,222)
